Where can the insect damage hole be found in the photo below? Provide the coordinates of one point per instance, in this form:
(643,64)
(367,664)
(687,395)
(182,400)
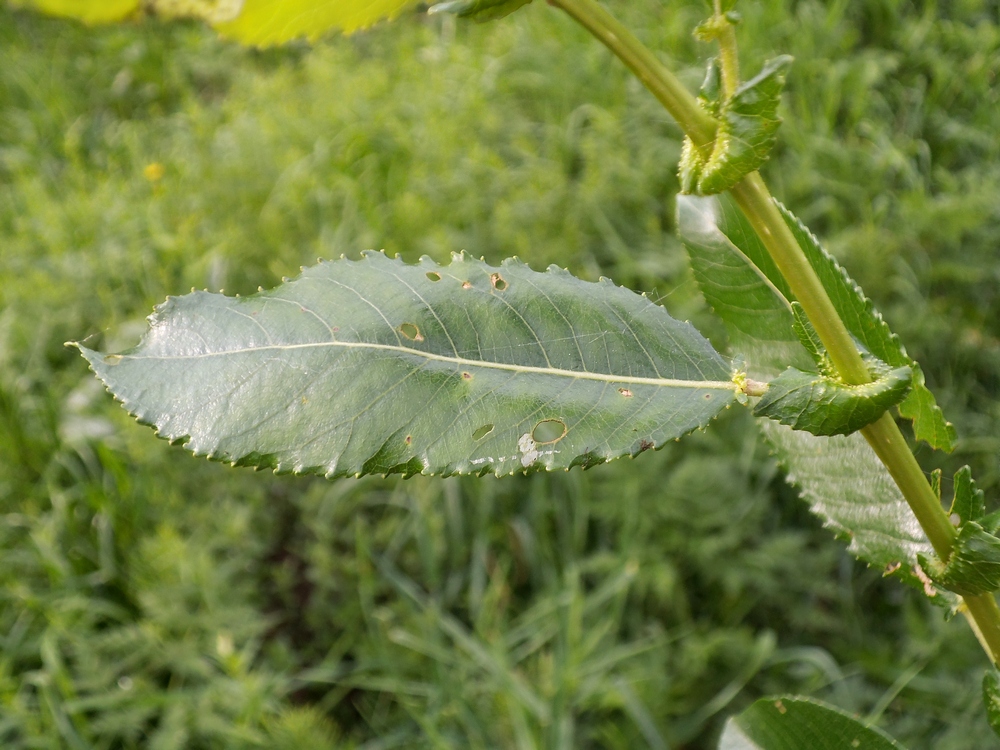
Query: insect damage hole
(410,331)
(482,432)
(498,282)
(434,276)
(625,392)
(549,431)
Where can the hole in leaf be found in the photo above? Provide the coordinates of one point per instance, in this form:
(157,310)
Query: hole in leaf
(482,432)
(410,331)
(112,359)
(498,282)
(625,392)
(549,431)
(466,285)
(433,276)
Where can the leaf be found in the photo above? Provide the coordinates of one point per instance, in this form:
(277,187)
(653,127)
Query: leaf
(268,22)
(741,284)
(974,565)
(745,288)
(88,11)
(826,406)
(846,485)
(969,502)
(791,723)
(479,10)
(376,366)
(991,698)
(748,127)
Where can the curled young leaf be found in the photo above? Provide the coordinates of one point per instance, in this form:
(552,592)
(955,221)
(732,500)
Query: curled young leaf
(826,406)
(974,565)
(748,126)
(378,366)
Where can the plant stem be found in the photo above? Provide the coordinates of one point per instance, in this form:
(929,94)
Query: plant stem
(730,61)
(677,100)
(755,200)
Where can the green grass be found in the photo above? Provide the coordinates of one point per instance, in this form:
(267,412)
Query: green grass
(149,599)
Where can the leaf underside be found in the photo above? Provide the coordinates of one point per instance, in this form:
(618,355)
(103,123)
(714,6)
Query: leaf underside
(789,723)
(840,477)
(377,366)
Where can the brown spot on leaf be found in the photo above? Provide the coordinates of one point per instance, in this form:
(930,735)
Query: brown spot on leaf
(645,445)
(498,282)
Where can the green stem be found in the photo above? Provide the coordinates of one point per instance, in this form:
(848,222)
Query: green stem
(676,99)
(755,200)
(730,60)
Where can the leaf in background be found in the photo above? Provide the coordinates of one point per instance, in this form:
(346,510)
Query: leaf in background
(790,723)
(748,127)
(991,698)
(741,284)
(377,366)
(88,11)
(845,484)
(268,22)
(479,10)
(826,406)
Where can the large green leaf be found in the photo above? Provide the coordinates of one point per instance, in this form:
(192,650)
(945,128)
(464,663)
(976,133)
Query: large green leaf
(840,477)
(790,723)
(258,22)
(376,366)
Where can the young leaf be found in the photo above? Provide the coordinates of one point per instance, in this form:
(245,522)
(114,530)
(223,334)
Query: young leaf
(969,502)
(826,406)
(747,131)
(974,565)
(479,10)
(791,723)
(376,366)
(991,698)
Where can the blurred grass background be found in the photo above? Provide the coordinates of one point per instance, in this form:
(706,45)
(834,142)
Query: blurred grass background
(148,599)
